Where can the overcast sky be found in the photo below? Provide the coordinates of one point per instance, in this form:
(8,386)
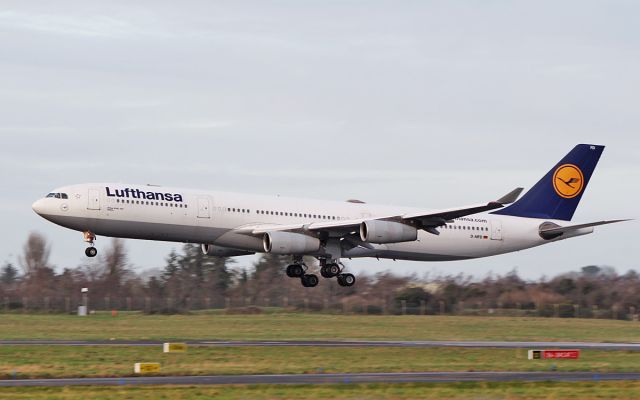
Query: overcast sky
(427,104)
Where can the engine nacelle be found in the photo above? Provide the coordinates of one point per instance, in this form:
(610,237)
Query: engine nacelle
(380,232)
(219,251)
(289,243)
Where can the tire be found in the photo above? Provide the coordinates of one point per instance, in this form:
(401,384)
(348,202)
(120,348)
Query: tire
(348,279)
(91,252)
(290,271)
(324,271)
(333,269)
(341,280)
(309,280)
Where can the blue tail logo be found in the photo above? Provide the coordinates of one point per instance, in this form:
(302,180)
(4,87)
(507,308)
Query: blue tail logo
(557,194)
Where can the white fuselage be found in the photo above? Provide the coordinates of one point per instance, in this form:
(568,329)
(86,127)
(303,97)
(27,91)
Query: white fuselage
(153,213)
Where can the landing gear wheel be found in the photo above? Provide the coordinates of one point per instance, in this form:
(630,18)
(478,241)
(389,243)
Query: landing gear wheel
(295,271)
(346,280)
(329,270)
(324,271)
(309,280)
(334,269)
(91,251)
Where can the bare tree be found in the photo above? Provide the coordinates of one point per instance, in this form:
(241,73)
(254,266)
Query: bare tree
(35,254)
(115,266)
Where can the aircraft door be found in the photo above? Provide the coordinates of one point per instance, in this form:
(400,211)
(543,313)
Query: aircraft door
(93,199)
(204,207)
(496,230)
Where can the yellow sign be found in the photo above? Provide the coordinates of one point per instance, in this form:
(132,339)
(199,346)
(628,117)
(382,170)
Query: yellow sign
(174,347)
(568,181)
(146,368)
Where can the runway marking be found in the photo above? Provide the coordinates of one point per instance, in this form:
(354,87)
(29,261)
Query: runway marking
(338,343)
(282,379)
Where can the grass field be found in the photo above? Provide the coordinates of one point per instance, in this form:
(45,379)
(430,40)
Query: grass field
(314,326)
(67,361)
(470,390)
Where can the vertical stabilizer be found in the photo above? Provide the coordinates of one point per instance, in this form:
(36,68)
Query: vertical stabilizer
(557,194)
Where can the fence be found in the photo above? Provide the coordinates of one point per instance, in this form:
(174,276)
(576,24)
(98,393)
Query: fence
(347,305)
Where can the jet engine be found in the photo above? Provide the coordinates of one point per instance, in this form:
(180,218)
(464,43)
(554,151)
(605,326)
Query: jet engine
(380,232)
(289,243)
(219,251)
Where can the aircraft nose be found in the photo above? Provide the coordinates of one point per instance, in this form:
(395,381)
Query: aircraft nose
(38,206)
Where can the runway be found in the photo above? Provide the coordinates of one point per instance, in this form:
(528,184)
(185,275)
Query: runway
(315,379)
(336,343)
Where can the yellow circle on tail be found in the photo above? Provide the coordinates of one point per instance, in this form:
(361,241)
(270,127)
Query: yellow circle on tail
(568,181)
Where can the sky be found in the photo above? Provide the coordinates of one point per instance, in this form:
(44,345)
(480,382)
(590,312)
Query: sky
(432,104)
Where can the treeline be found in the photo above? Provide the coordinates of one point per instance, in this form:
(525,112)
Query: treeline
(190,281)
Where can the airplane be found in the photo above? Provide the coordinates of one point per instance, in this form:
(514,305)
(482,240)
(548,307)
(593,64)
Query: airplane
(233,224)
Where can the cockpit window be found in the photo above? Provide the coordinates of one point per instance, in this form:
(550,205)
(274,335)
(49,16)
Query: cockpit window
(58,195)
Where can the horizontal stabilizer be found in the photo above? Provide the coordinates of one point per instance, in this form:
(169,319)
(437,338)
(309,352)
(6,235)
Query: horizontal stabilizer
(550,231)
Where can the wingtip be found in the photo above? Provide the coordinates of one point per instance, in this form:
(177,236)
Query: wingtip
(510,197)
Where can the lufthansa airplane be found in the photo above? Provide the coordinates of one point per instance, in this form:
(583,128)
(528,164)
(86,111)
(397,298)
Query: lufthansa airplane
(231,224)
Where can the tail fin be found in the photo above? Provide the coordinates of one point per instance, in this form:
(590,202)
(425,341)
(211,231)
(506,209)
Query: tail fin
(557,194)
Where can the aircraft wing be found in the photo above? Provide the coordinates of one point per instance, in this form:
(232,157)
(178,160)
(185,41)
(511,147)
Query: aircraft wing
(432,219)
(427,220)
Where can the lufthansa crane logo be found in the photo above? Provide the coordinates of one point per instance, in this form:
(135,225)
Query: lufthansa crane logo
(568,181)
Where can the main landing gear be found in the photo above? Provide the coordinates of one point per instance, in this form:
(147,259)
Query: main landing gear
(89,237)
(298,270)
(328,270)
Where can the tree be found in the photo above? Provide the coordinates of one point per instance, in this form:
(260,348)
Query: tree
(35,254)
(9,274)
(39,275)
(115,266)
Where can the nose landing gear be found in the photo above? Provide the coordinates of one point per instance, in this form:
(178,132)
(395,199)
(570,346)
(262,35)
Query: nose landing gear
(89,237)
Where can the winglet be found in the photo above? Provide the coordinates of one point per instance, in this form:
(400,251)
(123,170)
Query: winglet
(510,197)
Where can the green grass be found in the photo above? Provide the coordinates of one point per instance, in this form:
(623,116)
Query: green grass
(314,326)
(94,361)
(469,390)
(68,361)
